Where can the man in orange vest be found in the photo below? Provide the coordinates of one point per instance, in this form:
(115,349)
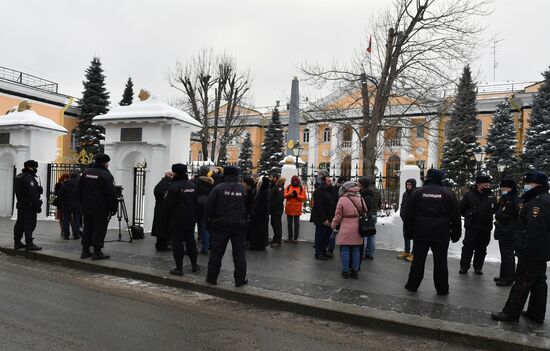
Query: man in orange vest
(295,195)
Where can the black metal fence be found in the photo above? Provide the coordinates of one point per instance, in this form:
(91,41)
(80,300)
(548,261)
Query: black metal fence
(55,172)
(138,196)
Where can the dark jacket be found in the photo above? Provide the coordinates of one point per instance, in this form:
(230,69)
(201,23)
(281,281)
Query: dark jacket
(68,196)
(276,199)
(204,186)
(225,206)
(534,224)
(160,221)
(27,191)
(405,198)
(477,210)
(96,191)
(372,198)
(259,218)
(432,214)
(506,216)
(324,205)
(181,205)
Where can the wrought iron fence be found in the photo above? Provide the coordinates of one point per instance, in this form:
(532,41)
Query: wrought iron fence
(55,171)
(138,196)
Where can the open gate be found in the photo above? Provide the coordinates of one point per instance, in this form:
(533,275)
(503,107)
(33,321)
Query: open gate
(55,171)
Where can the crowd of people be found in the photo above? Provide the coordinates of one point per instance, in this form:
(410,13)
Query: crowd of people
(226,207)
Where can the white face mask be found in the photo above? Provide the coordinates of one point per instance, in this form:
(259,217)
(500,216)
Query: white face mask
(504,193)
(527,187)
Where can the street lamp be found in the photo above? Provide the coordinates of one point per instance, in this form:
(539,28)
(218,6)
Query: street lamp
(479,154)
(297,151)
(501,167)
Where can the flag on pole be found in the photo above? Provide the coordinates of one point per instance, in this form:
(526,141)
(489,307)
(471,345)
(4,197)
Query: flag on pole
(369,49)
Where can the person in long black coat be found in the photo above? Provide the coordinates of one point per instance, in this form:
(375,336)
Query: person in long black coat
(250,187)
(70,203)
(159,229)
(259,217)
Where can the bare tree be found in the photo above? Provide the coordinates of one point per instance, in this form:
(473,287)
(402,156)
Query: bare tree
(208,83)
(419,48)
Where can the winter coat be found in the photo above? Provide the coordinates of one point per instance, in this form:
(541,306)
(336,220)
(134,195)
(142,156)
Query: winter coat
(259,218)
(405,198)
(96,191)
(295,197)
(27,191)
(181,205)
(348,210)
(372,198)
(506,216)
(534,224)
(477,210)
(324,205)
(160,222)
(277,198)
(204,185)
(432,214)
(225,206)
(68,196)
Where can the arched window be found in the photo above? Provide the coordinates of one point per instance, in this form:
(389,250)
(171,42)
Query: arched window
(74,139)
(479,128)
(305,137)
(326,135)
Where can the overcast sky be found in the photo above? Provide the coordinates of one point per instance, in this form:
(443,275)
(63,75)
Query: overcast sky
(56,39)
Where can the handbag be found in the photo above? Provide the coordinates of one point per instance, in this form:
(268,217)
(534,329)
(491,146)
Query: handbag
(366,222)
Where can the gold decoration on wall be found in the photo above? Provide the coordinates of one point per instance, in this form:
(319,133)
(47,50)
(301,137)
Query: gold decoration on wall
(81,158)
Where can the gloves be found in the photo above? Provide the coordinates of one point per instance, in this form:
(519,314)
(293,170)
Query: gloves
(455,240)
(294,193)
(40,190)
(39,210)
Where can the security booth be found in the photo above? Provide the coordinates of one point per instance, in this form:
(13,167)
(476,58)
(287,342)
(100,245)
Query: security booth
(25,135)
(143,140)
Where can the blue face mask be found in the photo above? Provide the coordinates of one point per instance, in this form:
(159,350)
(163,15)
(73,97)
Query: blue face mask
(527,187)
(504,193)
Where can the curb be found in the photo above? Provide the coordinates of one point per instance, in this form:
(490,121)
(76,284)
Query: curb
(452,332)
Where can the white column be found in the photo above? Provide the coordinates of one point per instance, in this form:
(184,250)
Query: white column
(355,153)
(313,149)
(380,149)
(433,137)
(334,149)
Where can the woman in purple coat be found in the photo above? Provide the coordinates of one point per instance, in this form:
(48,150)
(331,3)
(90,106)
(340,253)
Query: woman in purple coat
(346,220)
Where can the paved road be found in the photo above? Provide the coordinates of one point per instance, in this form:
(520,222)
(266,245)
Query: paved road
(48,307)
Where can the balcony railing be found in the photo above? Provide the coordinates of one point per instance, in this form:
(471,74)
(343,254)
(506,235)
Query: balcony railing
(346,144)
(22,78)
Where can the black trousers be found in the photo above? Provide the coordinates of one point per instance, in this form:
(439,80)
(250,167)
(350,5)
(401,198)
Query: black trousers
(474,244)
(178,249)
(441,272)
(95,229)
(26,223)
(507,260)
(530,279)
(277,225)
(219,241)
(293,223)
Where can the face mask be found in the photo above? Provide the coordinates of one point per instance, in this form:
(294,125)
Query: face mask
(504,193)
(486,190)
(527,187)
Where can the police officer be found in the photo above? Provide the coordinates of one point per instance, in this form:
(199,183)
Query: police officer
(505,229)
(533,253)
(432,218)
(96,191)
(181,204)
(477,207)
(27,191)
(226,216)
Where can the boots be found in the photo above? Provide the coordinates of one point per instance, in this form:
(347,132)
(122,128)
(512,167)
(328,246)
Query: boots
(18,245)
(32,247)
(98,255)
(85,253)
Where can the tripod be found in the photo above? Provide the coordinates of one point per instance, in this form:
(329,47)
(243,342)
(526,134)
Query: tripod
(120,214)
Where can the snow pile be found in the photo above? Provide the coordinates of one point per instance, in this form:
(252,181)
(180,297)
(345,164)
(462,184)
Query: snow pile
(31,119)
(389,220)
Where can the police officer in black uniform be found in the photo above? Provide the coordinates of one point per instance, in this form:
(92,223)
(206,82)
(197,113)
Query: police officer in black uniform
(27,191)
(226,216)
(477,207)
(505,229)
(96,191)
(533,253)
(432,219)
(181,204)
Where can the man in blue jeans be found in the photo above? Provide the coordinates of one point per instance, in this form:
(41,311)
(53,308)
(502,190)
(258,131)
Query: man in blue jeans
(204,184)
(322,213)
(372,198)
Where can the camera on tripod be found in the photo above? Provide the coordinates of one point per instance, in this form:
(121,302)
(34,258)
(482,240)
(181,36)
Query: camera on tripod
(118,191)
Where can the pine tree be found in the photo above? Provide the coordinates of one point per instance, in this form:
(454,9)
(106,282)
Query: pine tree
(95,101)
(128,95)
(245,156)
(458,151)
(273,146)
(537,141)
(501,142)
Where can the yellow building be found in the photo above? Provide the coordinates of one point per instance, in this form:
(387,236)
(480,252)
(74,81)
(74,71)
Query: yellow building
(46,101)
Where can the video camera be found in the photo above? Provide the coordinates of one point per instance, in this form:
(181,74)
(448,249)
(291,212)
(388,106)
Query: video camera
(118,190)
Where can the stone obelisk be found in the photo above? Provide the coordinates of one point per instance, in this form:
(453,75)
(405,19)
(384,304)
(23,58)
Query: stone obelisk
(294,114)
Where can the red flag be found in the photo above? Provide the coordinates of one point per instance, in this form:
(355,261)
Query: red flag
(369,49)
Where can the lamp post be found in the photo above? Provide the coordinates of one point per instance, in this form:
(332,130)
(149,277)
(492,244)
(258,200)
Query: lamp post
(501,167)
(479,154)
(297,151)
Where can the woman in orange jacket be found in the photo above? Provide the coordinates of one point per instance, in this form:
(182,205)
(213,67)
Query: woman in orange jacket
(295,195)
